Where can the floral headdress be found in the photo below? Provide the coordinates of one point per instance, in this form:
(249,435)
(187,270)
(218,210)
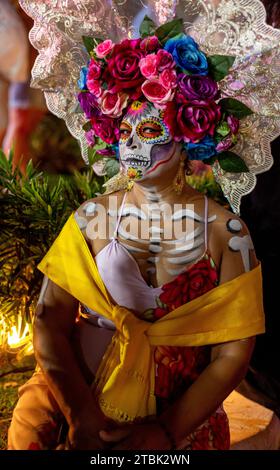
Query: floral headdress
(229,28)
(167,68)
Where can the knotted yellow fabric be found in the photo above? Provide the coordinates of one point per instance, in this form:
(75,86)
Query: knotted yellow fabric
(125,378)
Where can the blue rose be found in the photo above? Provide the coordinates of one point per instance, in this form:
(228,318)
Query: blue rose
(187,54)
(82,82)
(202,150)
(115,148)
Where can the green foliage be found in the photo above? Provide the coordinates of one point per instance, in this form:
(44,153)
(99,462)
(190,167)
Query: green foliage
(90,43)
(147,27)
(169,30)
(33,209)
(53,148)
(235,107)
(231,162)
(219,65)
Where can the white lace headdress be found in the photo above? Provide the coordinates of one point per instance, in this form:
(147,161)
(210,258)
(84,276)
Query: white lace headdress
(233,27)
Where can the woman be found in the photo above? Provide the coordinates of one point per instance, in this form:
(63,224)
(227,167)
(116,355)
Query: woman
(148,276)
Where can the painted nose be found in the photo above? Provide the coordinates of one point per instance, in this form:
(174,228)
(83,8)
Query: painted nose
(131,143)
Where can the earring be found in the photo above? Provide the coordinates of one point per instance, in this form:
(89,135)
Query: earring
(116,183)
(180,178)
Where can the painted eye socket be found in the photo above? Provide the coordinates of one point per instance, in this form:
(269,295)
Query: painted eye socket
(125,132)
(151,130)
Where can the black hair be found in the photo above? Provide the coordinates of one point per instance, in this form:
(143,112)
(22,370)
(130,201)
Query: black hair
(273,12)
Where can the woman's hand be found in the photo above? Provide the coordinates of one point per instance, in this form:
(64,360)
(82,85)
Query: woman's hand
(144,436)
(84,432)
(84,437)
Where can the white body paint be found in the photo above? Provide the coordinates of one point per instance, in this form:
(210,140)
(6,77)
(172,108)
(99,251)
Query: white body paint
(43,290)
(244,245)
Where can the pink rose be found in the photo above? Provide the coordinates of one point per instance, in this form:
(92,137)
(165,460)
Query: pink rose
(123,71)
(150,44)
(148,66)
(168,78)
(95,88)
(197,119)
(104,48)
(155,92)
(106,128)
(113,103)
(94,70)
(165,60)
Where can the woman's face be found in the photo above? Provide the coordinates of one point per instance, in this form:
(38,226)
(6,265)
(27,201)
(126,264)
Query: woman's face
(147,149)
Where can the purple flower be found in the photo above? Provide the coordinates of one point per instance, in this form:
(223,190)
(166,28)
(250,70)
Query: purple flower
(107,152)
(225,144)
(88,104)
(233,123)
(197,87)
(90,138)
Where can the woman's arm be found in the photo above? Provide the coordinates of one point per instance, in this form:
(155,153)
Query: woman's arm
(53,326)
(229,363)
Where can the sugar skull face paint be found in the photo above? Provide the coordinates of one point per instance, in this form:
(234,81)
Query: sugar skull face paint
(145,141)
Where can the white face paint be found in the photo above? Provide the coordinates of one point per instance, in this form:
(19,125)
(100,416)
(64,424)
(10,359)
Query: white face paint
(146,145)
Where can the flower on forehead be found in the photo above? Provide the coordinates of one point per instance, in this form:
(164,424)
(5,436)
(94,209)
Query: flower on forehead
(137,108)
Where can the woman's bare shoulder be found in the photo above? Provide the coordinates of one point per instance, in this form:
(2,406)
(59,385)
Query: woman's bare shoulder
(97,207)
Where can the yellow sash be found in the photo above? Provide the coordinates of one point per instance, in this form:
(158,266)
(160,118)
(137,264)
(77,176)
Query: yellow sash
(125,378)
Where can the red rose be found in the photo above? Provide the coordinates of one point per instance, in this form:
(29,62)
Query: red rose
(202,278)
(106,128)
(171,292)
(34,446)
(197,119)
(159,312)
(220,429)
(195,281)
(174,365)
(123,70)
(201,439)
